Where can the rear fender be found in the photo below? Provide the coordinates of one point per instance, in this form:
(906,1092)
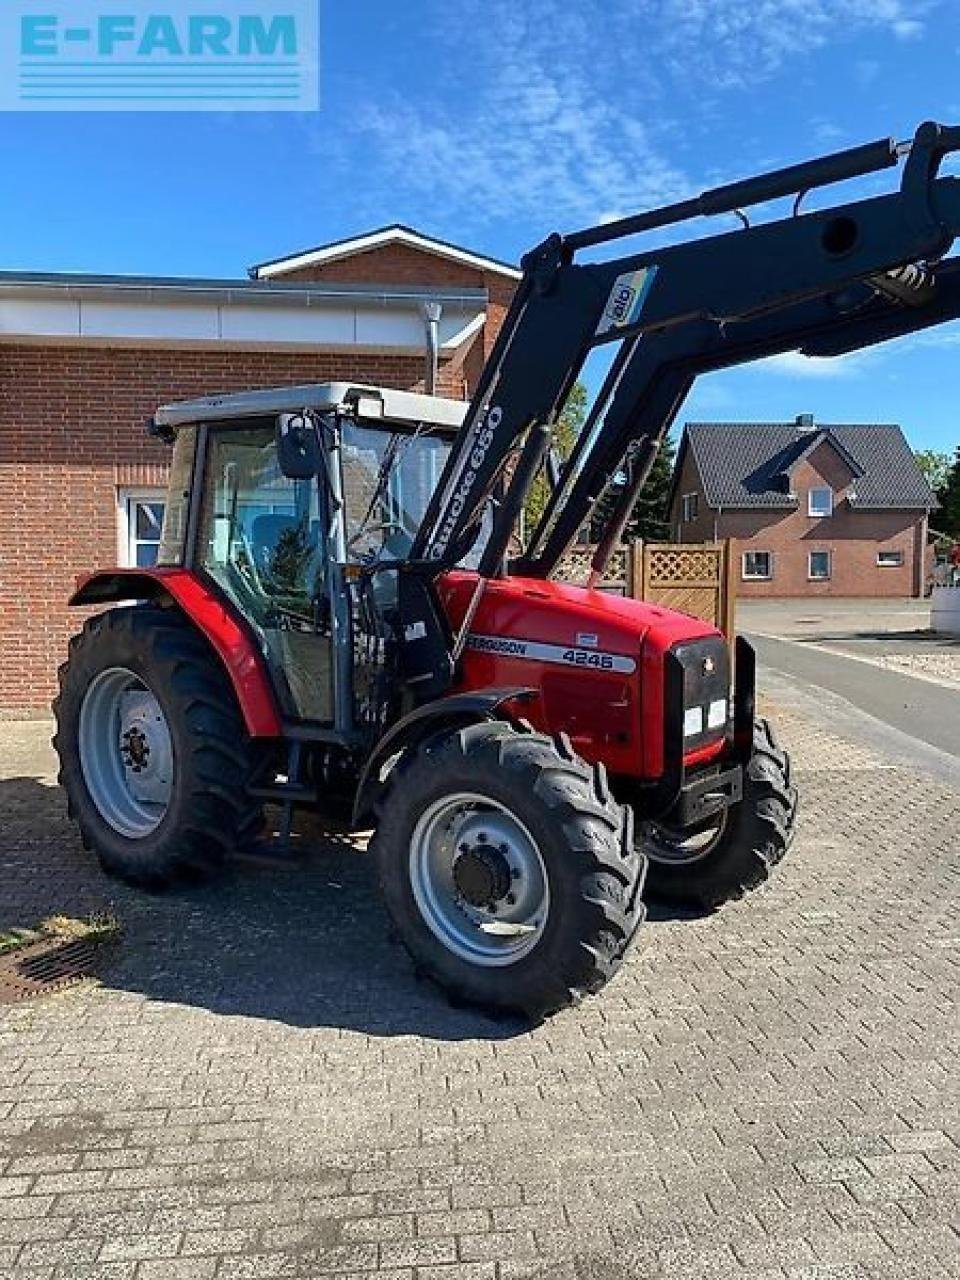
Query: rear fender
(454,712)
(214,618)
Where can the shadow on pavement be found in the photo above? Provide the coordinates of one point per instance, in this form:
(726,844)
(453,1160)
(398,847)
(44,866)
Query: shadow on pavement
(308,945)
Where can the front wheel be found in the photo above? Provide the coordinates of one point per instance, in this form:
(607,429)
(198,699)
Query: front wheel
(735,850)
(508,868)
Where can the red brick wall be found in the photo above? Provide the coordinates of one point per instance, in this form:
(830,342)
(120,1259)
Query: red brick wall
(71,434)
(400,264)
(702,528)
(852,537)
(391,264)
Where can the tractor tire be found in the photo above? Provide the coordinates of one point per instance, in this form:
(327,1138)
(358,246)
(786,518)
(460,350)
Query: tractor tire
(508,869)
(735,854)
(154,755)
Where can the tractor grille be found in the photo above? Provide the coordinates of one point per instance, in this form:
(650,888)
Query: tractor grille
(706,690)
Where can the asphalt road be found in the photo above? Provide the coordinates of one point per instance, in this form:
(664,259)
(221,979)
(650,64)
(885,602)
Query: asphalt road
(916,709)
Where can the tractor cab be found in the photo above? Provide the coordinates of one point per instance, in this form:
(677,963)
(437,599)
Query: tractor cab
(296,503)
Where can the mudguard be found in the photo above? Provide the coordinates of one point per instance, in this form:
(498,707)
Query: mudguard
(226,632)
(454,712)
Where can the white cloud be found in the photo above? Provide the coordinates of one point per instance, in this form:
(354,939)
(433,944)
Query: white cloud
(907,29)
(565,114)
(793,364)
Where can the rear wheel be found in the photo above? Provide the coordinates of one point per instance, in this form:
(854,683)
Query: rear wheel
(508,869)
(154,757)
(735,850)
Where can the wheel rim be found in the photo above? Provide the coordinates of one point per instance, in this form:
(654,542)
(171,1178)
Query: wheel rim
(675,848)
(126,752)
(479,879)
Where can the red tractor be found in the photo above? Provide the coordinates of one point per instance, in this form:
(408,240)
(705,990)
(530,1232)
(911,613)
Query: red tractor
(340,617)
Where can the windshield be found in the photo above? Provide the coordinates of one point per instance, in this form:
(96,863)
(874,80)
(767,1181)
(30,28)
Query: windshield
(388,479)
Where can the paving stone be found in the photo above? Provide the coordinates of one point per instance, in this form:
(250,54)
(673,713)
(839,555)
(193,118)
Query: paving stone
(418,1253)
(141,1248)
(177,1269)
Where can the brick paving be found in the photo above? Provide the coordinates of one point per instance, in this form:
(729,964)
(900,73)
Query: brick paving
(260,1087)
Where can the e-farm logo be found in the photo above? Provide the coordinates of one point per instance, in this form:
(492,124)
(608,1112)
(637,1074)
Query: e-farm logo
(171,55)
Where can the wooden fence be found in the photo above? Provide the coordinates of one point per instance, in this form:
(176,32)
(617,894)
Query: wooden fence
(692,577)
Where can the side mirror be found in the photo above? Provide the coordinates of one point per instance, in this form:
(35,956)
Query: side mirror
(298,446)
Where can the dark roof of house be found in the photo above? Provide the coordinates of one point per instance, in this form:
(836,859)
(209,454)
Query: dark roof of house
(749,464)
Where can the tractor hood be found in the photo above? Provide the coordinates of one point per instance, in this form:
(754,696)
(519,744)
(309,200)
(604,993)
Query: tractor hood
(593,660)
(548,612)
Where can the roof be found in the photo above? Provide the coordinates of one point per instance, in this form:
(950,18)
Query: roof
(303,292)
(267,315)
(378,402)
(749,464)
(395,233)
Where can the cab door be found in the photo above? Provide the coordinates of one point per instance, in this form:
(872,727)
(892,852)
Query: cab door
(261,537)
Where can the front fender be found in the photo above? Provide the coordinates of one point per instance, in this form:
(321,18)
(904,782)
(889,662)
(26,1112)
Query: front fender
(214,618)
(454,712)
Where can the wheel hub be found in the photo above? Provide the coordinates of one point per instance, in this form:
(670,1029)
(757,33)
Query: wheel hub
(126,752)
(479,879)
(481,874)
(135,749)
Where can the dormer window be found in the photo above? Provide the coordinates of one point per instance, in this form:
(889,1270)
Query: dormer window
(820,502)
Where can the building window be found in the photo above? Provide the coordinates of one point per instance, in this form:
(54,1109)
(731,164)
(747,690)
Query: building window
(141,522)
(820,502)
(757,564)
(890,559)
(690,507)
(819,566)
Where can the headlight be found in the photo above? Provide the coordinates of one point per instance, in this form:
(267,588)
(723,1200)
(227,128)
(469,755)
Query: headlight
(717,714)
(692,722)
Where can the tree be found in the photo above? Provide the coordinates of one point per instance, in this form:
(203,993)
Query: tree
(948,517)
(649,519)
(935,467)
(567,430)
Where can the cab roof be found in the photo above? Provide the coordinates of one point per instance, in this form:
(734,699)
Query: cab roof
(383,403)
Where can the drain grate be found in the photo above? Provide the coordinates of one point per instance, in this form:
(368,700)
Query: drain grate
(45,966)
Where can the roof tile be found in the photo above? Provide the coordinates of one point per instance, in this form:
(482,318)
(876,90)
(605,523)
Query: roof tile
(743,464)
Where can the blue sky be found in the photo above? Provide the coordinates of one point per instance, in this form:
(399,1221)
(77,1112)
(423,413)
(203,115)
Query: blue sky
(492,122)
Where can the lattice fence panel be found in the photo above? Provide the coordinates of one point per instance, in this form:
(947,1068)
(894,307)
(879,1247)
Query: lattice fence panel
(676,566)
(575,567)
(693,578)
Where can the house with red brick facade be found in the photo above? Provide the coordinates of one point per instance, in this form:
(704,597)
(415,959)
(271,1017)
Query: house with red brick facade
(812,509)
(85,360)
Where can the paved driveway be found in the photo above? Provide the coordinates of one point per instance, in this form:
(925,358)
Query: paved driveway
(261,1088)
(834,618)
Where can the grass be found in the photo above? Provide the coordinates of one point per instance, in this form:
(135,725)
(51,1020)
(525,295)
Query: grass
(97,929)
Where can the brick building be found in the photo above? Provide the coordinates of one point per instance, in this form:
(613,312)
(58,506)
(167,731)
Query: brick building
(812,509)
(85,360)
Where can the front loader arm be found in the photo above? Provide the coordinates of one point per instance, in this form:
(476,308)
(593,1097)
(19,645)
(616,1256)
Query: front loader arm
(822,282)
